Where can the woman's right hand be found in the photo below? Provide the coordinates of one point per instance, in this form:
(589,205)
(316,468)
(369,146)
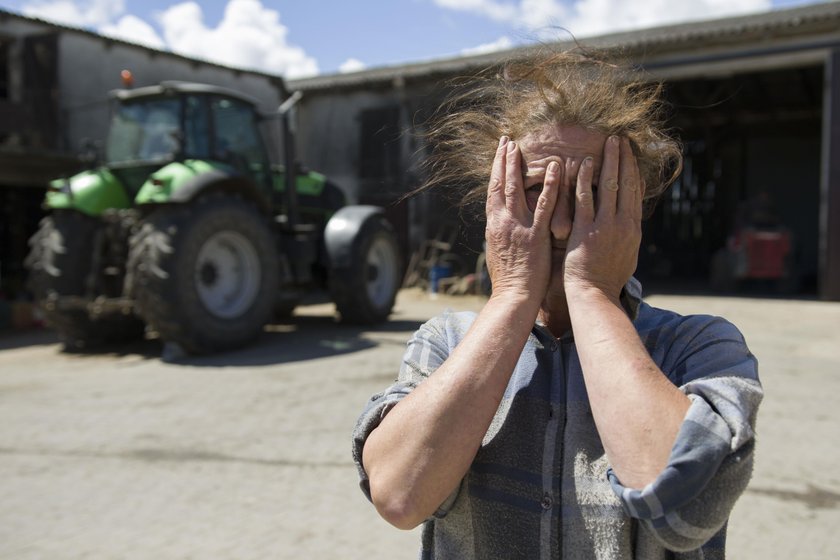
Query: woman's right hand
(518,240)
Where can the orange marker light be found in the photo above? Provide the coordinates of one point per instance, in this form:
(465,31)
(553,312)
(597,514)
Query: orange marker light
(127,78)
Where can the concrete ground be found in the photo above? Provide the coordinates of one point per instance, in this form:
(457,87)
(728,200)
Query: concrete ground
(246,454)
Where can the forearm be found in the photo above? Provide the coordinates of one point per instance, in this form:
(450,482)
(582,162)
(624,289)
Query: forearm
(637,410)
(412,471)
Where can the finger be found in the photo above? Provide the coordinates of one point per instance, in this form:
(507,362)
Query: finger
(561,218)
(514,192)
(496,185)
(629,182)
(608,183)
(548,196)
(584,202)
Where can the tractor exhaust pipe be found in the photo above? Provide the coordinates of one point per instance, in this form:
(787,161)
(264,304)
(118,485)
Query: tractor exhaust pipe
(290,178)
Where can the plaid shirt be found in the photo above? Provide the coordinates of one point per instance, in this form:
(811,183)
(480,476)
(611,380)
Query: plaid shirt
(540,485)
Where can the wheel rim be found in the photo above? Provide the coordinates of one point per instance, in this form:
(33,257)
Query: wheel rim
(381,272)
(227,274)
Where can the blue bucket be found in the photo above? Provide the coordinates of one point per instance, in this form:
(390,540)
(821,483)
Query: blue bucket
(436,273)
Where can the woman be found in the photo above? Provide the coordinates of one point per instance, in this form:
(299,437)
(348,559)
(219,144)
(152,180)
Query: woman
(567,419)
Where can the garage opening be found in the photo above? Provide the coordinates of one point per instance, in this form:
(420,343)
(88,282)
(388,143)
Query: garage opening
(747,138)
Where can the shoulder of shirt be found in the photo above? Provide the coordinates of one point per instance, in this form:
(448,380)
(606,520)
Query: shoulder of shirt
(655,319)
(451,325)
(452,320)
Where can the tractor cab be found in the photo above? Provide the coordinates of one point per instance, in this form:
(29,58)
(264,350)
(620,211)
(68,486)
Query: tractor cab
(182,122)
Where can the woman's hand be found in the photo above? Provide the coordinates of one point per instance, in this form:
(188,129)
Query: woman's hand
(518,240)
(603,247)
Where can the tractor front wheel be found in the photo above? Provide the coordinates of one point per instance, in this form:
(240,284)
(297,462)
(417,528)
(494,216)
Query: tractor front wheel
(60,264)
(205,275)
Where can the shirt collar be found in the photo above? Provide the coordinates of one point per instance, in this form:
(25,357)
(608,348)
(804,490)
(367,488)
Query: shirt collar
(631,298)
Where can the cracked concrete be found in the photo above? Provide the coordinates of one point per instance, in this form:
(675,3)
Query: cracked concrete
(246,454)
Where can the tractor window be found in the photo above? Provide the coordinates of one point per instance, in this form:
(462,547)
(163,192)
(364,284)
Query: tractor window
(196,128)
(146,130)
(238,142)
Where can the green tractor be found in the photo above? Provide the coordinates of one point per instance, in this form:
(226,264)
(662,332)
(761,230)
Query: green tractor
(187,228)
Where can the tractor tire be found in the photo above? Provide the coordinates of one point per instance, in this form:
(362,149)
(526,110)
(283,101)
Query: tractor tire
(59,264)
(364,293)
(204,275)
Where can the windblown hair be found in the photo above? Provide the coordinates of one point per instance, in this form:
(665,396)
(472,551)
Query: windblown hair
(550,88)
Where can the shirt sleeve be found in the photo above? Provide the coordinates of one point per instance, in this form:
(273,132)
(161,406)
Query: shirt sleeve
(425,351)
(712,458)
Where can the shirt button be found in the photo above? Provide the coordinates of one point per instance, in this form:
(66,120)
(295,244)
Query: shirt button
(546,502)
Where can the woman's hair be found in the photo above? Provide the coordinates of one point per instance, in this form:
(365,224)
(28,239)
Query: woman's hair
(550,88)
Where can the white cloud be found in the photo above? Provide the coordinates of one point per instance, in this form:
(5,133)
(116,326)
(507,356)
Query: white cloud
(589,17)
(92,13)
(499,11)
(249,36)
(603,16)
(351,65)
(541,14)
(500,44)
(135,30)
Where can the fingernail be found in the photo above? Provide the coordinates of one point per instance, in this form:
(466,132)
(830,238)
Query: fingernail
(503,140)
(587,162)
(553,166)
(614,140)
(511,146)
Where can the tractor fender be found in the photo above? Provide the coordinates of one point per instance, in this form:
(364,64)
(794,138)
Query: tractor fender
(90,192)
(343,230)
(219,180)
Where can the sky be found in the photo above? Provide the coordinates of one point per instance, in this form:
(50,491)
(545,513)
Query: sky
(301,38)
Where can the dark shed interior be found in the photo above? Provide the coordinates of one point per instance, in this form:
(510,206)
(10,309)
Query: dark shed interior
(745,136)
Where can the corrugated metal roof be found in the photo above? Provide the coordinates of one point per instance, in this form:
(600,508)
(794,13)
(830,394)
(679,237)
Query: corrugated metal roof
(775,26)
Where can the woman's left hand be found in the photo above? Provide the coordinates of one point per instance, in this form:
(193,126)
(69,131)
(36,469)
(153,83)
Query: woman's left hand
(603,247)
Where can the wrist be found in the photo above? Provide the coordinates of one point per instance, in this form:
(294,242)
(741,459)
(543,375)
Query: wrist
(517,299)
(519,304)
(591,292)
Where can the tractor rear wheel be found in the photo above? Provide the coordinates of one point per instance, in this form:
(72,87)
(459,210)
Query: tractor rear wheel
(365,291)
(60,264)
(205,275)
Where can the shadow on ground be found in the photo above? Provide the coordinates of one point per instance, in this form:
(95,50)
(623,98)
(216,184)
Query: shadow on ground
(297,338)
(303,338)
